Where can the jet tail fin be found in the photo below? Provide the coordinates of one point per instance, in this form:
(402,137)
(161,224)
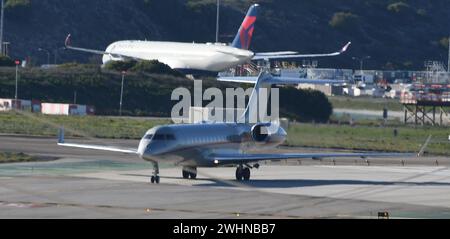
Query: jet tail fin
(245,33)
(251,112)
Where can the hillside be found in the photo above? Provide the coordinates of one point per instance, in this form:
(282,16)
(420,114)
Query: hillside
(398,34)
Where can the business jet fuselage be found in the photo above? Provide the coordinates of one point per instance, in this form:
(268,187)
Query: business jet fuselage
(194,145)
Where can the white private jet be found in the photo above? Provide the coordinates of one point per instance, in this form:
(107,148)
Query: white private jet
(197,58)
(220,144)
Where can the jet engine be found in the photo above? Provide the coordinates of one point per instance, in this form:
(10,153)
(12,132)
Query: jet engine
(260,132)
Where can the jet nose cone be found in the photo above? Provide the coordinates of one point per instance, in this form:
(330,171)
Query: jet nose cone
(143,147)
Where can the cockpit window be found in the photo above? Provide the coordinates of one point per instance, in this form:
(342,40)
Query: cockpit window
(164,137)
(149,136)
(159,137)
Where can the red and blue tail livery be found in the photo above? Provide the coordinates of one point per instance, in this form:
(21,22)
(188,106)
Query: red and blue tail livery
(244,36)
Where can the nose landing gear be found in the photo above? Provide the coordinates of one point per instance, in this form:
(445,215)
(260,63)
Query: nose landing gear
(155,177)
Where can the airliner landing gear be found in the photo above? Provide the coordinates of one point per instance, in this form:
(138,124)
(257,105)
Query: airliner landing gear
(242,173)
(189,172)
(155,176)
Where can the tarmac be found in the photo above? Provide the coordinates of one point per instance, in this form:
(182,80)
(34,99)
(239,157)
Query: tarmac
(92,184)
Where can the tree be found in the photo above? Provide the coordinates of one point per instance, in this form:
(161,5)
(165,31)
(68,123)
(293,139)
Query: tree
(6,61)
(343,20)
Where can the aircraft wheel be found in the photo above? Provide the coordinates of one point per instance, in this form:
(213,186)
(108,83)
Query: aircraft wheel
(246,174)
(239,174)
(185,174)
(193,175)
(152,179)
(157,179)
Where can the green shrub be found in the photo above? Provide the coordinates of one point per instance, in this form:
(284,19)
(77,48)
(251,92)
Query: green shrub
(17,3)
(154,67)
(422,12)
(311,105)
(120,65)
(343,20)
(397,7)
(6,61)
(444,42)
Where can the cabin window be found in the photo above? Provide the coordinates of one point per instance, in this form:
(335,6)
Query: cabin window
(170,137)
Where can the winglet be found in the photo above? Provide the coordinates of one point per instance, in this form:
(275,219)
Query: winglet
(67,42)
(61,136)
(344,49)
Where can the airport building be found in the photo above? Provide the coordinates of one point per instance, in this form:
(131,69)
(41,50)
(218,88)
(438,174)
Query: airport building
(45,108)
(328,90)
(67,109)
(19,104)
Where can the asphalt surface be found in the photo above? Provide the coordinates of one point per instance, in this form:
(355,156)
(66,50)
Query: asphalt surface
(91,184)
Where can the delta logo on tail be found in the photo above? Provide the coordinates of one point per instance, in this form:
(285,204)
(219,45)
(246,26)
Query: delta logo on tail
(244,36)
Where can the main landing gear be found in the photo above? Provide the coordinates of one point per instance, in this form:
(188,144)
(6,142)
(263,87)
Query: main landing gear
(189,172)
(155,176)
(242,173)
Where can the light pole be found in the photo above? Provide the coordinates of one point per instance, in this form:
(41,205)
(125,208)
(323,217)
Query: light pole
(2,12)
(48,54)
(217,20)
(448,62)
(121,93)
(56,51)
(361,62)
(17,62)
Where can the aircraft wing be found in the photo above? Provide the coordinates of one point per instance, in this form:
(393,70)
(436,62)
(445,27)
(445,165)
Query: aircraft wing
(227,159)
(274,80)
(68,45)
(94,147)
(289,54)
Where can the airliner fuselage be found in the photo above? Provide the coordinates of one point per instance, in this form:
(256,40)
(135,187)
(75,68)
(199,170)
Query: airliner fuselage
(185,57)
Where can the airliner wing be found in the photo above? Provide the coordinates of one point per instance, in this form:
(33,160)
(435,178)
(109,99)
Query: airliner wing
(274,80)
(68,45)
(227,159)
(276,53)
(94,147)
(288,54)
